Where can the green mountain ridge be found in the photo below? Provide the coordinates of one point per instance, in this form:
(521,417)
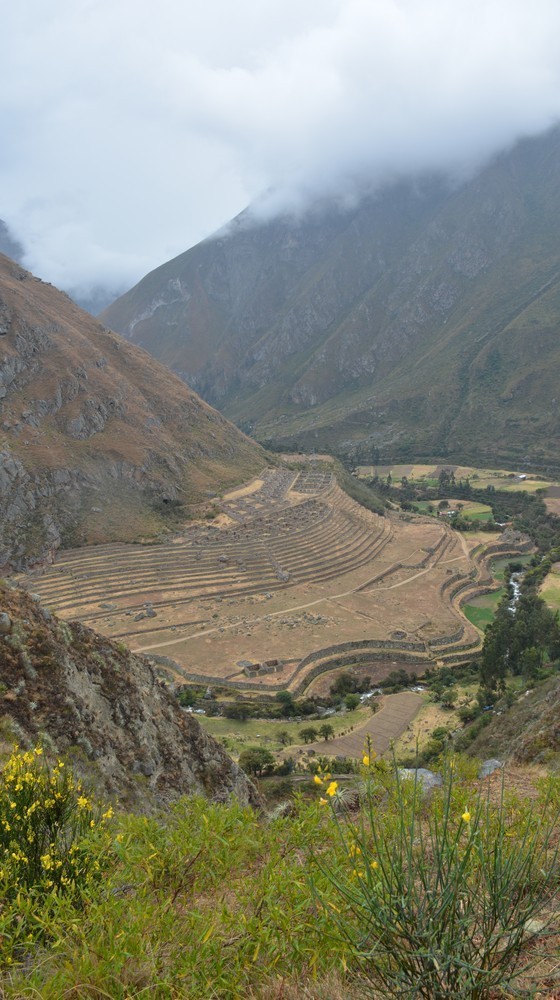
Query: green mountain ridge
(421,322)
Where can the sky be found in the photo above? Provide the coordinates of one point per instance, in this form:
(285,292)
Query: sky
(132,129)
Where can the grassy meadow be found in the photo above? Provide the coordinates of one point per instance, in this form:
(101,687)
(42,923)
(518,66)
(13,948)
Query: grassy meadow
(550,589)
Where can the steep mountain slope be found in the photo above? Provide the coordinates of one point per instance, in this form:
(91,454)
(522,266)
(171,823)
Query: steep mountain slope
(422,321)
(83,695)
(97,440)
(528,731)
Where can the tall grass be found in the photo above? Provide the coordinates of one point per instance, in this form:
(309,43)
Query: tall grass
(443,896)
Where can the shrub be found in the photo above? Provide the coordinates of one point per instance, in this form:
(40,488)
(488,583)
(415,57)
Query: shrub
(440,899)
(52,844)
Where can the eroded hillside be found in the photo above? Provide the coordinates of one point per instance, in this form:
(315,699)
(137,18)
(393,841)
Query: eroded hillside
(97,440)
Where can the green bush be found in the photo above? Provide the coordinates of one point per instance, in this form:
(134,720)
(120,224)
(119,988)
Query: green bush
(53,845)
(45,819)
(440,899)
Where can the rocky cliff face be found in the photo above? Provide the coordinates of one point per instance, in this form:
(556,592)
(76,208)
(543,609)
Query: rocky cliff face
(97,440)
(421,321)
(105,709)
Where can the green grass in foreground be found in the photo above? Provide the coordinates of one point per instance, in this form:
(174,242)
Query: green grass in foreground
(214,901)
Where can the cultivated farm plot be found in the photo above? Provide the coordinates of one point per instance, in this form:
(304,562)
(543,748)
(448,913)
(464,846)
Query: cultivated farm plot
(427,475)
(293,567)
(381,729)
(550,589)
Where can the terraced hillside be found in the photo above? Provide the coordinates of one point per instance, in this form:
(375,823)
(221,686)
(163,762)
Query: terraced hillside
(293,579)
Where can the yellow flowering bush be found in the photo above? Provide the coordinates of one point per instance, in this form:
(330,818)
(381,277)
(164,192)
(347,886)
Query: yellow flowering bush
(45,820)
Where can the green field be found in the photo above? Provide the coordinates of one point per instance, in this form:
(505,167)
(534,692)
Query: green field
(237,735)
(481,610)
(423,507)
(550,589)
(498,567)
(424,475)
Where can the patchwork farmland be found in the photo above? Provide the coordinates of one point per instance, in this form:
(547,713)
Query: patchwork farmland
(293,580)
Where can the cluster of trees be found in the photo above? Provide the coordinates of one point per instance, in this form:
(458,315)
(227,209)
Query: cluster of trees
(347,683)
(311,733)
(518,640)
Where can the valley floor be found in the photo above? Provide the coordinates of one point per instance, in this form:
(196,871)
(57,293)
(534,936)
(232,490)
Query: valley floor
(292,570)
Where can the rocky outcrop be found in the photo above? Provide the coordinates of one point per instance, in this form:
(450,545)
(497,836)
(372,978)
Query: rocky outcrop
(97,441)
(106,710)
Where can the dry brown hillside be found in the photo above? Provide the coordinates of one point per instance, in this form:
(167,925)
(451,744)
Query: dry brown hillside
(98,441)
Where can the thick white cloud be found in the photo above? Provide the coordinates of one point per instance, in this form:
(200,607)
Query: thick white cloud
(130,129)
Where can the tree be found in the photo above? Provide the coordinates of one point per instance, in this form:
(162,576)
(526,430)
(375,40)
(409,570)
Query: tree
(255,760)
(449,697)
(326,731)
(308,734)
(237,710)
(284,738)
(352,701)
(517,640)
(343,684)
(188,696)
(284,697)
(287,702)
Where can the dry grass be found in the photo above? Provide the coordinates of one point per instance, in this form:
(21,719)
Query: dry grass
(210,615)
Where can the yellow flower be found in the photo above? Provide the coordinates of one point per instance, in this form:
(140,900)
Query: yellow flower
(119,838)
(466,816)
(374,865)
(323,802)
(83,803)
(365,760)
(108,814)
(317,779)
(331,790)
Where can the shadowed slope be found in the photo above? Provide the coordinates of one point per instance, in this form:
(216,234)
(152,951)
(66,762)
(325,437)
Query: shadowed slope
(422,321)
